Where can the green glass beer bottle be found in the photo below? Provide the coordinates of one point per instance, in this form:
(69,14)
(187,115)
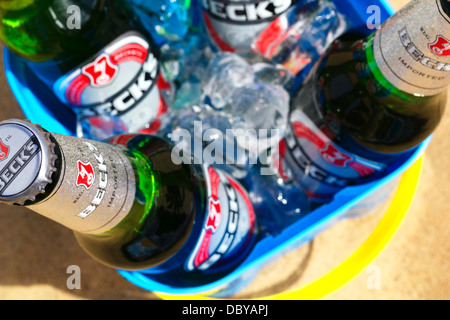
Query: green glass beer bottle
(369,100)
(94,55)
(132,203)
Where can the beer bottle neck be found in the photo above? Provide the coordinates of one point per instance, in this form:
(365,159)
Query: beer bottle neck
(411,50)
(95,189)
(84,185)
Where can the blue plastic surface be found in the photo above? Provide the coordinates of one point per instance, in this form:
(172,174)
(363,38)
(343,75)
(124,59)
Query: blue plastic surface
(40,106)
(38,103)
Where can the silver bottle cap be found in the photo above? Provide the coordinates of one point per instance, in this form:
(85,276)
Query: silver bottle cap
(27,161)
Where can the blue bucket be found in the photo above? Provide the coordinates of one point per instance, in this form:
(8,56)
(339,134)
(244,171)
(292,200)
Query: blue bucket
(41,106)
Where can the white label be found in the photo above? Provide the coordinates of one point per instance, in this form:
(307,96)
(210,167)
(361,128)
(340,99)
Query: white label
(119,81)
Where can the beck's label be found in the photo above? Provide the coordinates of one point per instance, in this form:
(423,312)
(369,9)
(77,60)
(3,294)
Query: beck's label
(236,25)
(310,157)
(20,159)
(245,12)
(97,187)
(229,222)
(412,49)
(120,81)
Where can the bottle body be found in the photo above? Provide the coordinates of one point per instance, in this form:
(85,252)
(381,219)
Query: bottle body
(94,56)
(352,119)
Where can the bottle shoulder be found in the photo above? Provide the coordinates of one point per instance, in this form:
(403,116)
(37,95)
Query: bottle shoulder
(168,202)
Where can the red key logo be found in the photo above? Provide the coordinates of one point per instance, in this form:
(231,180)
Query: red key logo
(86,175)
(215,210)
(101,72)
(441,47)
(333,156)
(215,215)
(4,150)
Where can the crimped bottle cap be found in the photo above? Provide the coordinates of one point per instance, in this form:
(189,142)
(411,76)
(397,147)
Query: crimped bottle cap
(27,161)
